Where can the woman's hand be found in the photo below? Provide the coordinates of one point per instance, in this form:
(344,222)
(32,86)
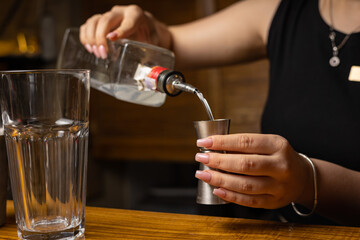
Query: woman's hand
(122,22)
(263,171)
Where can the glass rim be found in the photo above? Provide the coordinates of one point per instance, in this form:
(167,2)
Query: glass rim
(34,71)
(215,120)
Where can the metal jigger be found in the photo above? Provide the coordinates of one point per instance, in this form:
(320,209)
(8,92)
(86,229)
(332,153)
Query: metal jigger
(204,129)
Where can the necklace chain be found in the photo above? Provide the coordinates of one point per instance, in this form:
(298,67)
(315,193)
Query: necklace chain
(335,60)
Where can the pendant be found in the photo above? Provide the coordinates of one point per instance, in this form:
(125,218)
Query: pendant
(334,61)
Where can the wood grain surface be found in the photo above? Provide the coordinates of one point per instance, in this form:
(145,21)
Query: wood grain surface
(106,223)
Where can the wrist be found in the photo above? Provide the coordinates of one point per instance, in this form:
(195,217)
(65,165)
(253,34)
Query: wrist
(164,35)
(305,197)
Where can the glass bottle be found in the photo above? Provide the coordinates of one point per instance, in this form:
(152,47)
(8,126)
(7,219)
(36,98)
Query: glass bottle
(134,72)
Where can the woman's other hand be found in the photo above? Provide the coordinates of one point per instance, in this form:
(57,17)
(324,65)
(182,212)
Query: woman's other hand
(263,171)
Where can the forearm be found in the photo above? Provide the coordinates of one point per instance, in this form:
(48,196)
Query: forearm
(194,51)
(338,196)
(234,35)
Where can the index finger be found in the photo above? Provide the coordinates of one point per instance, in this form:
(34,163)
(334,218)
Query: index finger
(109,21)
(244,143)
(132,16)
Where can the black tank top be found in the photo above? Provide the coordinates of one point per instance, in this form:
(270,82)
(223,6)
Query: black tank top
(310,103)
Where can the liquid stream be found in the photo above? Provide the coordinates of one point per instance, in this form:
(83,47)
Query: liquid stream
(206,104)
(191,89)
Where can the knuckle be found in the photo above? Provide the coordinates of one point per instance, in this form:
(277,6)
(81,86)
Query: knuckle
(134,8)
(215,160)
(251,201)
(93,18)
(233,198)
(254,202)
(116,8)
(284,167)
(246,164)
(246,187)
(216,180)
(106,16)
(245,141)
(218,141)
(281,142)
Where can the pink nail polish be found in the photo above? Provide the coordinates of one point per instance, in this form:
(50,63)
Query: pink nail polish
(88,48)
(102,52)
(95,51)
(205,176)
(219,192)
(112,35)
(205,142)
(202,157)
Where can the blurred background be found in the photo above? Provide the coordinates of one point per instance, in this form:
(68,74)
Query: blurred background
(140,157)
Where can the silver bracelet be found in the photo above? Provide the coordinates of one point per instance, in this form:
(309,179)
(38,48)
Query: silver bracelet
(315,190)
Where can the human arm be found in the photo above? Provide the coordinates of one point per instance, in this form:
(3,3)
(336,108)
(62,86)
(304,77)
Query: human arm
(237,33)
(270,174)
(339,197)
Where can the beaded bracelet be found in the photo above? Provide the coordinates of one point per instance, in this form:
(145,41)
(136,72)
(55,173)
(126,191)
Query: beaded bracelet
(315,190)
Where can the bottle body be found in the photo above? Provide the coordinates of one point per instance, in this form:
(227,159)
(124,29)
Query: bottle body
(124,74)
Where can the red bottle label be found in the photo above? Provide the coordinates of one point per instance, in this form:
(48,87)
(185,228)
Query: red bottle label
(151,78)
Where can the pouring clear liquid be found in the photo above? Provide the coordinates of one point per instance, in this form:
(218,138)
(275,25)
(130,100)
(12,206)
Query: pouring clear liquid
(189,88)
(206,104)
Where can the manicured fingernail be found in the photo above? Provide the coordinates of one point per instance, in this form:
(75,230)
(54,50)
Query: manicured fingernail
(96,51)
(202,157)
(88,48)
(205,176)
(219,192)
(204,142)
(102,51)
(112,35)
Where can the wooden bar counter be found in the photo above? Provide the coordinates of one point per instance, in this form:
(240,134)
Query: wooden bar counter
(106,223)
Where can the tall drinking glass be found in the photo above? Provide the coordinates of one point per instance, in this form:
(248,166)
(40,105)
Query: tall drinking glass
(46,126)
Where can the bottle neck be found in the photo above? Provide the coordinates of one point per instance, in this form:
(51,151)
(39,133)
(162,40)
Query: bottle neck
(173,83)
(185,87)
